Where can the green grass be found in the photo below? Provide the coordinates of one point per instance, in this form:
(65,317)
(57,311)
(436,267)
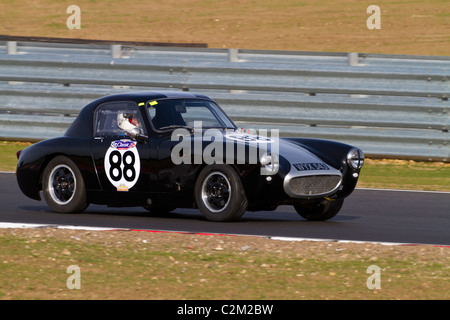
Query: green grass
(407,175)
(8,157)
(133,265)
(264,24)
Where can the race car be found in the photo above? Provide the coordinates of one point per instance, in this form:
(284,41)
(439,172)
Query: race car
(168,150)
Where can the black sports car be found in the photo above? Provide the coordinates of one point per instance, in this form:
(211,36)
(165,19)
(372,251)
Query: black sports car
(167,150)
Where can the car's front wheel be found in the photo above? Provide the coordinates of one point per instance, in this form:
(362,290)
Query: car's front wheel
(63,186)
(320,211)
(219,193)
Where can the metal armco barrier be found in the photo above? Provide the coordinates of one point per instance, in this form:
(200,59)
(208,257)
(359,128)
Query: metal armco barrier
(388,105)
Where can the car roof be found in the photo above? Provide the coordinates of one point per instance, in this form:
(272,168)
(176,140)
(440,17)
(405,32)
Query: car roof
(140,96)
(82,125)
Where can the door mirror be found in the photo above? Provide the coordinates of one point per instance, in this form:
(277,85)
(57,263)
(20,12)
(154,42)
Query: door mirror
(136,134)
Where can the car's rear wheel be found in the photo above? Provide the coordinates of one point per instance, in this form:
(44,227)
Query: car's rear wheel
(219,193)
(63,186)
(320,211)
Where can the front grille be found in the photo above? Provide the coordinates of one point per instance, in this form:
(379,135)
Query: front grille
(314,185)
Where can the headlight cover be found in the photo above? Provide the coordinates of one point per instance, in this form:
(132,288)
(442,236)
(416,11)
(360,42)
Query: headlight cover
(355,158)
(269,163)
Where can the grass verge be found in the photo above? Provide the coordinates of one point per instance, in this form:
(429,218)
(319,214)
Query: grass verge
(306,25)
(8,157)
(142,265)
(406,175)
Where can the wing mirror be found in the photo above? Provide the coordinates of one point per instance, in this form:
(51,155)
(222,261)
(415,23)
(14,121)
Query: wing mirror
(136,134)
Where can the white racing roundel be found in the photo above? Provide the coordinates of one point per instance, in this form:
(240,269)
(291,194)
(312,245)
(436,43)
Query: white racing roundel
(122,164)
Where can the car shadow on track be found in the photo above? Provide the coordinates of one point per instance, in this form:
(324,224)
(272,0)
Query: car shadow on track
(280,215)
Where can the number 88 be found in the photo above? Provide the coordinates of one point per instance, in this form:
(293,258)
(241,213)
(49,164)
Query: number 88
(115,171)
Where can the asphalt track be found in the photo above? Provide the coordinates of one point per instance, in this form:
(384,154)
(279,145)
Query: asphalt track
(367,215)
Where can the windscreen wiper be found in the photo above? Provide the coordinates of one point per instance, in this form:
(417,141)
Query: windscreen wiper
(175,126)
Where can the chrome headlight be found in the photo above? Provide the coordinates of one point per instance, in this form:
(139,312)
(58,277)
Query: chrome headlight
(355,158)
(269,163)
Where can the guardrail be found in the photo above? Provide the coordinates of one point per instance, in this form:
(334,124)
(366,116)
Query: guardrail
(388,105)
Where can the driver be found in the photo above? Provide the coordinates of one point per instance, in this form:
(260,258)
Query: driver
(128,122)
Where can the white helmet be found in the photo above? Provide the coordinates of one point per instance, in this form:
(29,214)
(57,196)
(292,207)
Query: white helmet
(127,122)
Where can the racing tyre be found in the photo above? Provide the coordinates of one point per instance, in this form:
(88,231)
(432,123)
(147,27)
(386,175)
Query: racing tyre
(63,186)
(219,194)
(320,211)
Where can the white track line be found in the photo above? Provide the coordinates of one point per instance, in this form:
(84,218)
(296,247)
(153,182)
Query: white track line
(9,225)
(342,241)
(18,225)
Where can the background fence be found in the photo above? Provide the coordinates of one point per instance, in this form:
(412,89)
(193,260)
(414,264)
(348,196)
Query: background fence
(388,105)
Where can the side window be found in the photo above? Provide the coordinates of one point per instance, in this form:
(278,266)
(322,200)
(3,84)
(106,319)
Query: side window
(117,119)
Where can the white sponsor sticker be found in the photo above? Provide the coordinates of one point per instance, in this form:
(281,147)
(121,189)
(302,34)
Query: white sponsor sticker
(248,138)
(122,164)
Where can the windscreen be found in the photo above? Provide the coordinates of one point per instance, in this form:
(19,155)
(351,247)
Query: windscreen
(165,114)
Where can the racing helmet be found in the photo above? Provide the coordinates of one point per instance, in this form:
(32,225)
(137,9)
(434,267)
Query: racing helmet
(127,121)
